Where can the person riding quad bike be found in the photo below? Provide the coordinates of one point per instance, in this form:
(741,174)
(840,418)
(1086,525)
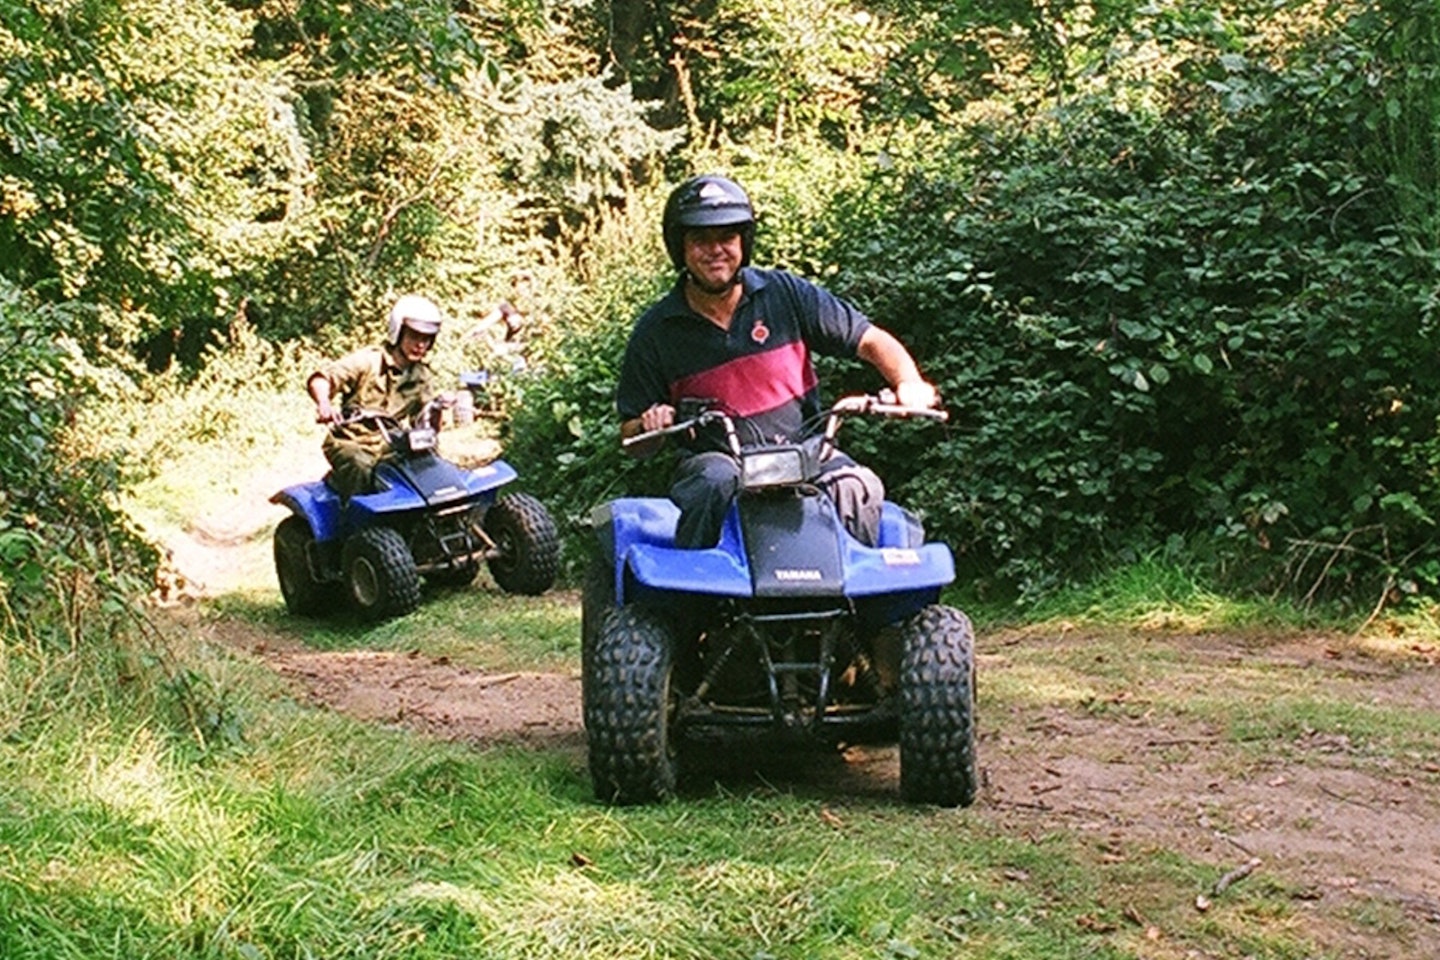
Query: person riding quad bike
(392,511)
(779,588)
(392,379)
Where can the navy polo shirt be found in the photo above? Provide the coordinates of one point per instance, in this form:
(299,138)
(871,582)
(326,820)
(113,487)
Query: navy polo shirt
(760,369)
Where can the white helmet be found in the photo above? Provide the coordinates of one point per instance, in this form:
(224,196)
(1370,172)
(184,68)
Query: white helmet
(416,312)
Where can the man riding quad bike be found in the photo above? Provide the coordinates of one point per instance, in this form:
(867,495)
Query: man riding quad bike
(391,510)
(789,627)
(427,518)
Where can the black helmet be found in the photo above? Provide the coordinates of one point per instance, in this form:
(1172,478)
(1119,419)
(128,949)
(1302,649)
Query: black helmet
(707,201)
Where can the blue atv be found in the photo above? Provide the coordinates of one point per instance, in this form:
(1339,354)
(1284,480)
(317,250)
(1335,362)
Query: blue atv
(427,518)
(790,627)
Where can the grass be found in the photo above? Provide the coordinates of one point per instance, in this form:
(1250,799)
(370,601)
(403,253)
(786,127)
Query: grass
(448,854)
(319,836)
(127,834)
(326,838)
(479,626)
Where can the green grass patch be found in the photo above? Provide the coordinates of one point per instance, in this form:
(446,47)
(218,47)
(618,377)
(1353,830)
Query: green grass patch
(319,836)
(328,838)
(477,625)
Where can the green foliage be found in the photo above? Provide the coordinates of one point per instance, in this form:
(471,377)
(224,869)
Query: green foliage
(72,640)
(428,43)
(564,439)
(57,520)
(574,143)
(1174,266)
(1149,328)
(134,138)
(1160,317)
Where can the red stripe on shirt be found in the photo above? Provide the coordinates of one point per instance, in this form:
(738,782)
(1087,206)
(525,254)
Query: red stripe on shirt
(754,383)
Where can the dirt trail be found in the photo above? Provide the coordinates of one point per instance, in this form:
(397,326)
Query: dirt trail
(1338,828)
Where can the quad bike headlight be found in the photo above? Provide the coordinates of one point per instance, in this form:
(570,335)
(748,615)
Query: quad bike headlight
(421,439)
(772,467)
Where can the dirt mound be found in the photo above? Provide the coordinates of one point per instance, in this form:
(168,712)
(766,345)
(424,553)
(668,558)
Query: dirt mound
(439,697)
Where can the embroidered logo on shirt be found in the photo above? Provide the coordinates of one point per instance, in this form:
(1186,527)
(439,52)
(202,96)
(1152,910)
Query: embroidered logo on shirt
(759,333)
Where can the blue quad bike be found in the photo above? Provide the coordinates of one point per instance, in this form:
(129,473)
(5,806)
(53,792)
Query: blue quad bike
(428,518)
(789,628)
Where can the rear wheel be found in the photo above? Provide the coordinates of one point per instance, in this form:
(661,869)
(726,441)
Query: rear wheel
(630,708)
(528,544)
(380,573)
(937,708)
(304,595)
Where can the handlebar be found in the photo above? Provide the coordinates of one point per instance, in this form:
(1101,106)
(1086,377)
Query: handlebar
(360,416)
(679,426)
(388,422)
(882,405)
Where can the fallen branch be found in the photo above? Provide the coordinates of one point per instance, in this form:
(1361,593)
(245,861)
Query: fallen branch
(1235,843)
(1340,796)
(1236,875)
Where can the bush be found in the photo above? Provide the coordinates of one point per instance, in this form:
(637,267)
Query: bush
(73,642)
(1184,317)
(1154,327)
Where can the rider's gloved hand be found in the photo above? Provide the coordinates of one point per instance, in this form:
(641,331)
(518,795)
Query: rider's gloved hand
(324,413)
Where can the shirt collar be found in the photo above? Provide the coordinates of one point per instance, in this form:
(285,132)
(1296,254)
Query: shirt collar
(674,304)
(391,361)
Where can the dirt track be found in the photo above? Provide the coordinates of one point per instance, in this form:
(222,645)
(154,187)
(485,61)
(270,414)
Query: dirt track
(1335,827)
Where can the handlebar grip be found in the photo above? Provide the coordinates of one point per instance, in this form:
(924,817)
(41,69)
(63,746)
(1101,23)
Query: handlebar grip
(655,434)
(899,410)
(708,416)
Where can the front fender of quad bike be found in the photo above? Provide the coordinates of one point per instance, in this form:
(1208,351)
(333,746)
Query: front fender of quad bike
(318,505)
(630,707)
(937,708)
(380,573)
(527,544)
(597,598)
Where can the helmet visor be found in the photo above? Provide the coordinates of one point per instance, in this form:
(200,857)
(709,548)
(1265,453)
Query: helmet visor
(424,327)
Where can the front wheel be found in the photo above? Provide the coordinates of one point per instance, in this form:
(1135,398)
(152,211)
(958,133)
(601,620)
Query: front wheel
(527,542)
(597,598)
(380,573)
(304,595)
(630,708)
(937,708)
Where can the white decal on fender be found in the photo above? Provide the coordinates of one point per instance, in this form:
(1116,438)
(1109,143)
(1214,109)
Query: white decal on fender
(896,557)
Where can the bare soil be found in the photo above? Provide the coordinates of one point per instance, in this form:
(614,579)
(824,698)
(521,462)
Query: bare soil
(1346,834)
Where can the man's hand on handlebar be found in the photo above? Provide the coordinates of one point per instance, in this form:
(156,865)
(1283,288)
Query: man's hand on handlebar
(920,394)
(324,412)
(658,417)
